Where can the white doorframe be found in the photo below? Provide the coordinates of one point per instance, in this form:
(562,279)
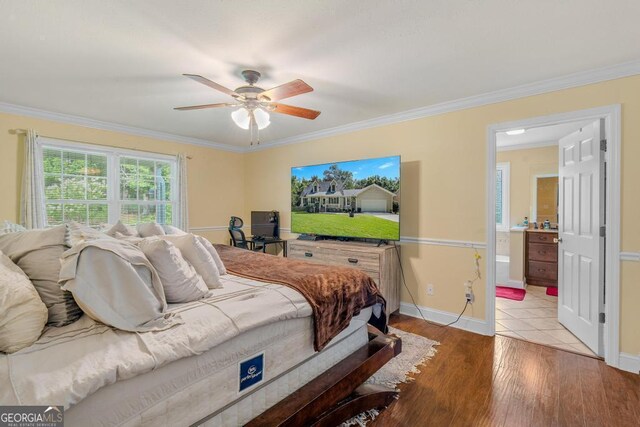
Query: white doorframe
(612,116)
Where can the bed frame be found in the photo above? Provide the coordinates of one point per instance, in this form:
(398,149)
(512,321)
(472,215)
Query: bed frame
(339,393)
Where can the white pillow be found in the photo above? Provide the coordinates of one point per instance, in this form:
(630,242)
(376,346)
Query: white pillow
(216,258)
(10,227)
(122,228)
(180,281)
(37,253)
(115,284)
(170,229)
(23,313)
(150,229)
(199,257)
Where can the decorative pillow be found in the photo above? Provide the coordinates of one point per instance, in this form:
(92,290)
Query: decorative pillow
(122,228)
(214,254)
(10,227)
(150,229)
(134,240)
(180,281)
(23,313)
(79,233)
(115,284)
(37,253)
(170,229)
(199,257)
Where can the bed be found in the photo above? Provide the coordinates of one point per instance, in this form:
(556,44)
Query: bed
(192,373)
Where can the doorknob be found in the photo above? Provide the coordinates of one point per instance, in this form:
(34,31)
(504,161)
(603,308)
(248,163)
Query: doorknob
(557,240)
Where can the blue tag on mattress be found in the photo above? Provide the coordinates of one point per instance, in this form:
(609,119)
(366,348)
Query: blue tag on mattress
(251,371)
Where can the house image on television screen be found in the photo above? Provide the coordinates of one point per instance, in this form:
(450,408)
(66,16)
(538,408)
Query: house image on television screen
(350,199)
(332,196)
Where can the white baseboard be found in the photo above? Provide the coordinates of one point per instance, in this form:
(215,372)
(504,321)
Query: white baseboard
(443,317)
(629,362)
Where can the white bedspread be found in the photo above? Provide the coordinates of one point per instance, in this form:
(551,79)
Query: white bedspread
(67,364)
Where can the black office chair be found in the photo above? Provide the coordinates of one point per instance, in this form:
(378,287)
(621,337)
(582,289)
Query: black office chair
(238,238)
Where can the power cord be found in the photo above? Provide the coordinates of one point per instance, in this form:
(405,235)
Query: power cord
(470,283)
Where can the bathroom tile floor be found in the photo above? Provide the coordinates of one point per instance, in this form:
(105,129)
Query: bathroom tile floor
(535,319)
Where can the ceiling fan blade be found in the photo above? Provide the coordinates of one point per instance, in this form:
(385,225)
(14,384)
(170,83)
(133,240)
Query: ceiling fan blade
(305,113)
(287,90)
(212,85)
(202,107)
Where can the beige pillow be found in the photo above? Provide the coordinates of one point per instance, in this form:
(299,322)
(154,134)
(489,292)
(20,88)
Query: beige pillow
(214,254)
(122,228)
(115,284)
(180,281)
(150,229)
(198,256)
(23,313)
(37,253)
(79,233)
(131,239)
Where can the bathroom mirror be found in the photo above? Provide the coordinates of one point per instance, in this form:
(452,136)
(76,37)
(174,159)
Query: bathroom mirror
(546,199)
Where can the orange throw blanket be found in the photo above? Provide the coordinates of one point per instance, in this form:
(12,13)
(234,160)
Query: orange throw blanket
(335,294)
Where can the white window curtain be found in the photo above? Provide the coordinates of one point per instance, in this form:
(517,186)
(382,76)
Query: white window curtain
(32,207)
(182,217)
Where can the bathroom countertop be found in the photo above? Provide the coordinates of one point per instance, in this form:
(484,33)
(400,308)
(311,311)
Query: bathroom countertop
(535,230)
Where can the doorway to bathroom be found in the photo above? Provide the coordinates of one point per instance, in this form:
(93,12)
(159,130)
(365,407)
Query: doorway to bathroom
(551,237)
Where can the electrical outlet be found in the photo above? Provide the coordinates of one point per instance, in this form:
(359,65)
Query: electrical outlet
(468,292)
(469,296)
(430,289)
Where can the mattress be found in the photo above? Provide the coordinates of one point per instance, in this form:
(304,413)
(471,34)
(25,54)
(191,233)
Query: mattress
(189,390)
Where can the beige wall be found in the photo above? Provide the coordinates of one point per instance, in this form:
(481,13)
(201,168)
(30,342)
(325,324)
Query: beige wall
(216,178)
(524,166)
(443,179)
(443,186)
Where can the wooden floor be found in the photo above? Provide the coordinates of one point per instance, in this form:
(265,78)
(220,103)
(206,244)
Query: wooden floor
(475,380)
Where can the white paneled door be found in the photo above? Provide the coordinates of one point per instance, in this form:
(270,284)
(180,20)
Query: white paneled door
(580,246)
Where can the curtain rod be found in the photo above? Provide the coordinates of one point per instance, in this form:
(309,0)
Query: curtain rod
(24,132)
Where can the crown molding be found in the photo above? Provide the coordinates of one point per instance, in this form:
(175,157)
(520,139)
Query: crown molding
(114,127)
(526,145)
(568,81)
(544,86)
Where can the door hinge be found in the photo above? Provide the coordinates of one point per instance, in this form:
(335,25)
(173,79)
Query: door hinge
(603,231)
(602,318)
(603,145)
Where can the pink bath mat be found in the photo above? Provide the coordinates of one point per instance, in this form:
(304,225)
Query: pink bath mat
(552,291)
(510,293)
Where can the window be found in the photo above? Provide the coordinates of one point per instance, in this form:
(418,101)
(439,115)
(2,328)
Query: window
(333,200)
(145,190)
(96,185)
(502,196)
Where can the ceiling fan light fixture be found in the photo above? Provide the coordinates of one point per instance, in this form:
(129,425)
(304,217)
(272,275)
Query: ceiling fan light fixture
(241,118)
(262,118)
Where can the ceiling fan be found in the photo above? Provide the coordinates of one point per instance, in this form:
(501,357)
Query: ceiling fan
(256,103)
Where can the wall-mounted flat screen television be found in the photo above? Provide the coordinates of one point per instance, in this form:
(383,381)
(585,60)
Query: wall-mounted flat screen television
(356,199)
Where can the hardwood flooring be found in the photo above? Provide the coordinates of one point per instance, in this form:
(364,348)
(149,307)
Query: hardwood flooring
(474,380)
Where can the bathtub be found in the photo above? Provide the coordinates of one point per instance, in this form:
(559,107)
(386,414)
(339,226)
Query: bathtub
(502,270)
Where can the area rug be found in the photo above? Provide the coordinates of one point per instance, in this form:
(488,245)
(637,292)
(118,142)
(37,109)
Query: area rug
(510,293)
(416,350)
(552,291)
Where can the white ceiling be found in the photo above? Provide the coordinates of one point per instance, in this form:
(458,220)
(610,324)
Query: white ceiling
(121,61)
(537,137)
